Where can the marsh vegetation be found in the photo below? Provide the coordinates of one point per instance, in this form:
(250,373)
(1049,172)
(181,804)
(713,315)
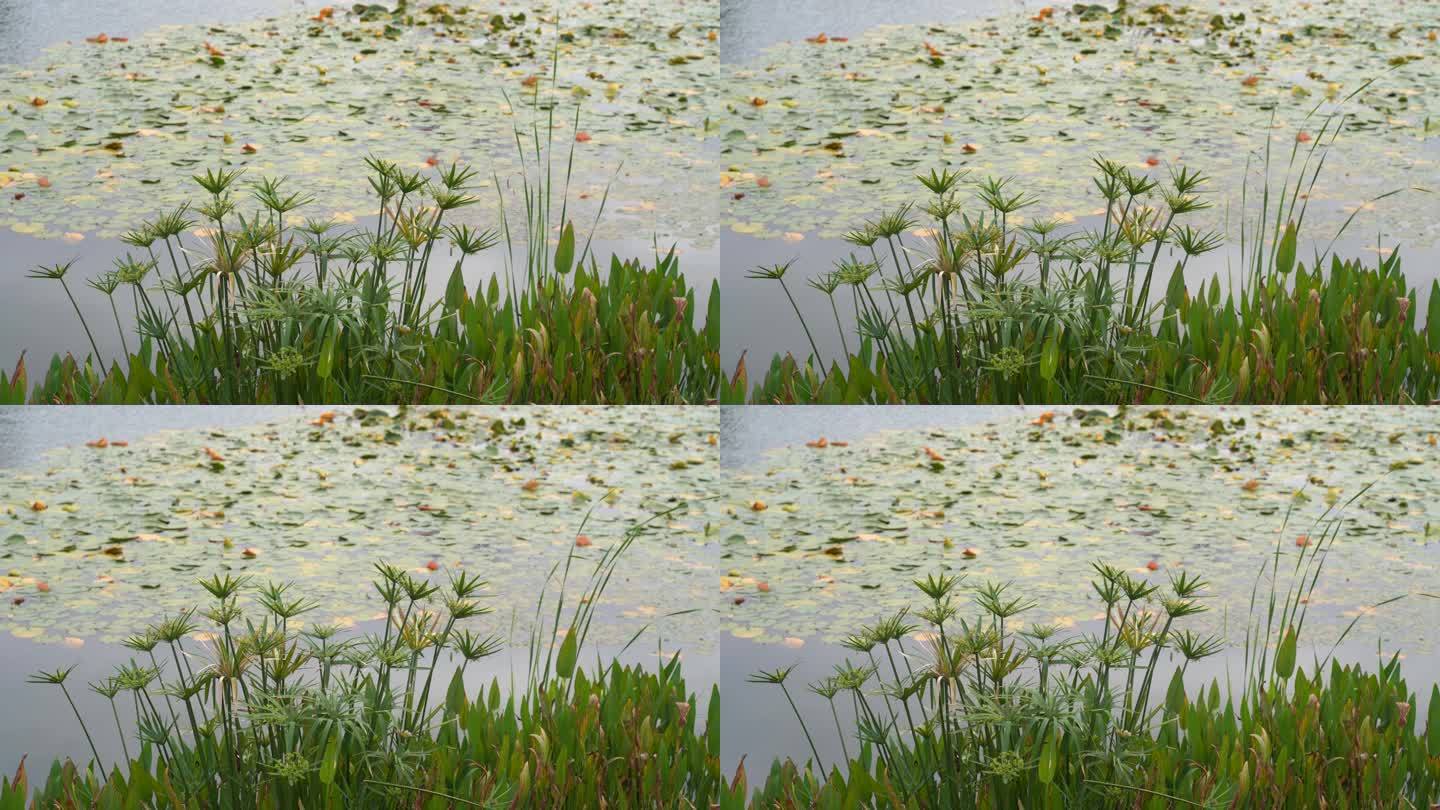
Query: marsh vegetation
(266,307)
(241,703)
(958,299)
(958,707)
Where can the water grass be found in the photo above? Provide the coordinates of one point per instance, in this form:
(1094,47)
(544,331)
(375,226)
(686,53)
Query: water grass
(954,301)
(268,713)
(982,713)
(259,306)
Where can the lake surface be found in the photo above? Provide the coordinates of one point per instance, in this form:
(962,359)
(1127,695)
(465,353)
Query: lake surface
(810,155)
(762,441)
(45,444)
(117,148)
(29,26)
(750,27)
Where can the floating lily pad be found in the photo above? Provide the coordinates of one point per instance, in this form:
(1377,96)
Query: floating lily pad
(822,539)
(102,540)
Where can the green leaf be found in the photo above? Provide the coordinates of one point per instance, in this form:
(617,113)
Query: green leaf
(327,354)
(1285,254)
(1285,656)
(1432,322)
(565,661)
(332,755)
(1175,695)
(1049,756)
(1050,357)
(565,253)
(1432,725)
(712,721)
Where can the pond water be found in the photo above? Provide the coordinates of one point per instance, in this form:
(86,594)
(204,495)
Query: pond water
(27,27)
(1036,507)
(161,475)
(751,27)
(96,142)
(821,136)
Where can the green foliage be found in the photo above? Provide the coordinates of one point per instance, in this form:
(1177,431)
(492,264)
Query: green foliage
(992,312)
(267,715)
(276,313)
(981,715)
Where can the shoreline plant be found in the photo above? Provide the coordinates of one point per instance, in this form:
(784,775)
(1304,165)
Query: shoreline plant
(982,713)
(266,712)
(233,307)
(975,308)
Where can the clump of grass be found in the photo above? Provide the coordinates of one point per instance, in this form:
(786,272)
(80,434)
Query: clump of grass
(266,713)
(976,308)
(979,713)
(233,306)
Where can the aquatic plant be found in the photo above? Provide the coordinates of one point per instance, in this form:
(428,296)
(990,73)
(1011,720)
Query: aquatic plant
(266,712)
(983,713)
(264,307)
(992,311)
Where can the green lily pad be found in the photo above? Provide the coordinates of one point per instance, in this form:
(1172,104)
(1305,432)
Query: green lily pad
(837,130)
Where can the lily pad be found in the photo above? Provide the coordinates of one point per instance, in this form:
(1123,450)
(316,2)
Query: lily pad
(127,123)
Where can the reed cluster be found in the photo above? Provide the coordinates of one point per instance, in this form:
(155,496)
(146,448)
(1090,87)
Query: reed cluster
(265,712)
(951,711)
(953,301)
(230,306)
